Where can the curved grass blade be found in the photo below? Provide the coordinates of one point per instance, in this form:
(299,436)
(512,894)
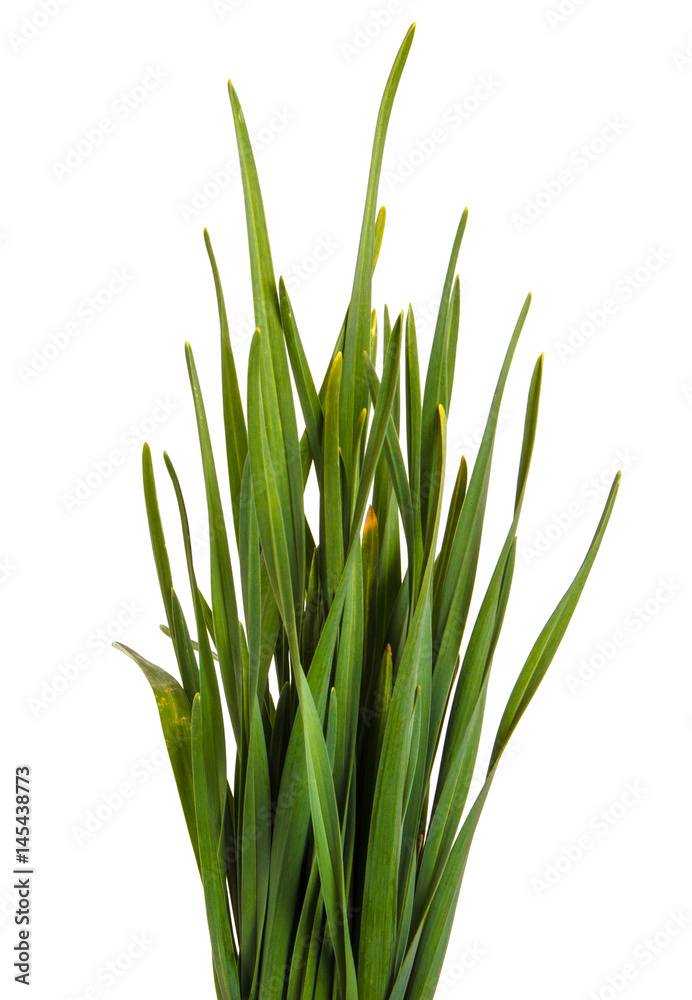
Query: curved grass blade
(464,551)
(280,415)
(544,650)
(453,597)
(174,712)
(481,646)
(177,629)
(307,394)
(233,416)
(208,684)
(158,541)
(434,934)
(223,599)
(438,381)
(357,337)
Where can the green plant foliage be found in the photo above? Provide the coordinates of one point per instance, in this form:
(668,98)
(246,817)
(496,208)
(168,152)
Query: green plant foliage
(331,863)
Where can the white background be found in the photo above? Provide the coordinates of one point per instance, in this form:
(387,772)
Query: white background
(622,395)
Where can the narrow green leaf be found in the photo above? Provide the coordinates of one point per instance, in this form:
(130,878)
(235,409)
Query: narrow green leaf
(453,597)
(293,814)
(281,732)
(331,493)
(158,541)
(307,393)
(371,558)
(484,636)
(430,942)
(417,806)
(378,928)
(313,617)
(347,681)
(327,833)
(546,645)
(358,447)
(223,599)
(451,339)
(249,553)
(233,416)
(413,444)
(208,684)
(280,416)
(438,379)
(378,431)
(382,486)
(303,959)
(325,982)
(305,451)
(255,852)
(212,865)
(379,235)
(395,463)
(177,628)
(332,724)
(413,742)
(182,643)
(174,712)
(267,502)
(435,486)
(453,514)
(355,394)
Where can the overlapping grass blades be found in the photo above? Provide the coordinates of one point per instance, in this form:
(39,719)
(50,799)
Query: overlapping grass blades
(330,866)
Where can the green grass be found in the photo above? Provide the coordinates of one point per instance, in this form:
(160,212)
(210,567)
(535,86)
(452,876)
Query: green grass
(331,864)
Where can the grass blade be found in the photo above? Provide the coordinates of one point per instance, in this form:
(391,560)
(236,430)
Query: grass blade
(333,540)
(357,337)
(223,599)
(212,865)
(174,712)
(276,384)
(437,381)
(233,416)
(544,650)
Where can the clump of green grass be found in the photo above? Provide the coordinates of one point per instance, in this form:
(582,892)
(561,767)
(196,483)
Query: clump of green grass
(331,864)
